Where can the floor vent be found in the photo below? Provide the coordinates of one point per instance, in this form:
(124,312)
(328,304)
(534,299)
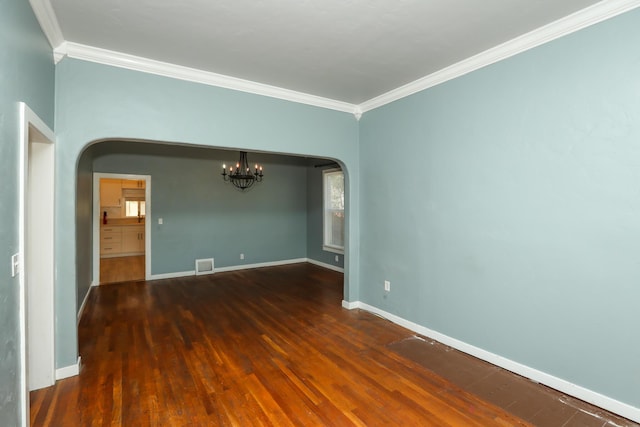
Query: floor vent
(204,266)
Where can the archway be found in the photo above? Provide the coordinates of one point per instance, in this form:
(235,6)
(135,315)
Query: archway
(191,172)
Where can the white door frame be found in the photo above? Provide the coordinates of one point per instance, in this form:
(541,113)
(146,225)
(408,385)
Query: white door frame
(97,219)
(36,255)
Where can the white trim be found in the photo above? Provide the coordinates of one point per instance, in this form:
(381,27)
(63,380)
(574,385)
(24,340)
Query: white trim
(148,209)
(97,218)
(602,401)
(260,265)
(48,21)
(205,272)
(325,265)
(233,268)
(27,119)
(325,231)
(146,65)
(583,18)
(172,275)
(84,301)
(69,371)
(333,249)
(350,305)
(594,14)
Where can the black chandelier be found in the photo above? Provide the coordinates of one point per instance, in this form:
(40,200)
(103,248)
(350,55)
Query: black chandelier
(242,177)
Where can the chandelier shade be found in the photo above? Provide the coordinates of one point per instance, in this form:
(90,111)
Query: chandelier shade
(242,177)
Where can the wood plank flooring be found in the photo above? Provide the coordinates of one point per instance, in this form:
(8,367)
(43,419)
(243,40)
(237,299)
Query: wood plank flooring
(121,269)
(269,347)
(533,402)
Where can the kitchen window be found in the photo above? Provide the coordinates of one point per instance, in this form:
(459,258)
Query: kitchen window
(134,208)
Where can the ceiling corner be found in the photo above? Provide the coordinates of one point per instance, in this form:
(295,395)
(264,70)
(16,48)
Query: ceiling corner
(592,15)
(61,51)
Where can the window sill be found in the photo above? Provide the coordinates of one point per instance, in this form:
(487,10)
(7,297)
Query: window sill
(333,249)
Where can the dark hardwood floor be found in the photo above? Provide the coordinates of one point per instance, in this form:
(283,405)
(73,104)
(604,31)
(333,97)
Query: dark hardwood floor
(268,346)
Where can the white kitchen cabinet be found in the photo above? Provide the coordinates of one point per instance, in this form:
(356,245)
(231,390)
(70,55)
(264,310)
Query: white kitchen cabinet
(110,192)
(122,240)
(110,241)
(133,184)
(133,240)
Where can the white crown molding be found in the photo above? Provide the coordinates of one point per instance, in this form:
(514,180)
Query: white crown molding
(584,18)
(595,398)
(592,15)
(48,21)
(136,63)
(599,12)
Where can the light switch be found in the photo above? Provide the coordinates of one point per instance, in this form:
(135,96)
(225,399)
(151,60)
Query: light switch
(15,265)
(160,221)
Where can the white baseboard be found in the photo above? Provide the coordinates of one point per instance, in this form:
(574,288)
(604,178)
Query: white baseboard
(325,265)
(229,268)
(350,305)
(246,267)
(68,371)
(84,301)
(597,399)
(172,275)
(260,265)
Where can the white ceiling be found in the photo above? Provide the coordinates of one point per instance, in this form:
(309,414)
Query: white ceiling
(344,50)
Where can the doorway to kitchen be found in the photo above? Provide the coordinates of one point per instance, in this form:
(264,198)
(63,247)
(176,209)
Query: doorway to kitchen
(121,205)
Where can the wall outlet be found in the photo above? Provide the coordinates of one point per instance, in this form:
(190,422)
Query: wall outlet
(337,258)
(241,256)
(387,285)
(160,221)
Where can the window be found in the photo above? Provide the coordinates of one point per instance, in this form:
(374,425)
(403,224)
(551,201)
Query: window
(333,185)
(134,208)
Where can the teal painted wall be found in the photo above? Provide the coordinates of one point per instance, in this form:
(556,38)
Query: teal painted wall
(26,74)
(96,102)
(504,207)
(205,217)
(84,226)
(315,229)
(521,237)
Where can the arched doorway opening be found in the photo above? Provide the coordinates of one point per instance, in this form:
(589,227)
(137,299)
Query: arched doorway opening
(195,215)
